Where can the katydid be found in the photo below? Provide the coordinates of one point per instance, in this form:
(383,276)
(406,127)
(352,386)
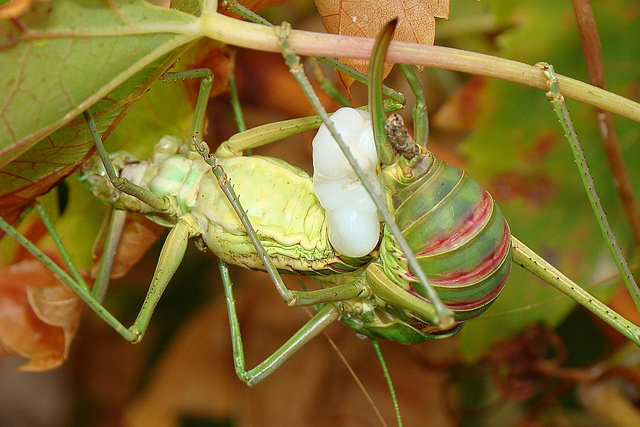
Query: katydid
(301,262)
(410,315)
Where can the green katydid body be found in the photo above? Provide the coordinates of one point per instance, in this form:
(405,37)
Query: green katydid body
(280,225)
(278,198)
(280,203)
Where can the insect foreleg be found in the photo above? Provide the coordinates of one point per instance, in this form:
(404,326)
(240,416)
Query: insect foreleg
(206,82)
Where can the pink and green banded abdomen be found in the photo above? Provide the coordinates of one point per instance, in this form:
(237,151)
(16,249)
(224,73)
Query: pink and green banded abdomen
(456,231)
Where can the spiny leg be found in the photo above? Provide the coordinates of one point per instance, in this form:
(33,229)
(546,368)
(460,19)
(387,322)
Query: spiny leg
(323,318)
(532,262)
(560,108)
(444,316)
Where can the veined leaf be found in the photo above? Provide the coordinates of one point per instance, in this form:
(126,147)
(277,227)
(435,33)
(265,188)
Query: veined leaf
(67,57)
(416,22)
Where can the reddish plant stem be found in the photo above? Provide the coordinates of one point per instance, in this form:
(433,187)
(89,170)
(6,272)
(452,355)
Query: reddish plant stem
(253,36)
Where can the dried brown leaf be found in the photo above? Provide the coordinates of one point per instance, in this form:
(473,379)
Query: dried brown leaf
(365,18)
(39,316)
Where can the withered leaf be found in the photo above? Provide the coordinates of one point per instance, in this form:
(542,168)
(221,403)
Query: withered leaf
(39,316)
(365,18)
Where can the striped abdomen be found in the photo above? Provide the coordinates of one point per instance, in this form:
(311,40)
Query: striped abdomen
(456,231)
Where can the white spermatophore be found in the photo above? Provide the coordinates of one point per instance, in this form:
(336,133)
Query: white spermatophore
(352,217)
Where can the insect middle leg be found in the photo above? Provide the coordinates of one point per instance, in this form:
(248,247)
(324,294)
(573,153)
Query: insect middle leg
(323,318)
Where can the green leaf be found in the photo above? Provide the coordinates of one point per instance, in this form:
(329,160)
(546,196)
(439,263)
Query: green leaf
(70,56)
